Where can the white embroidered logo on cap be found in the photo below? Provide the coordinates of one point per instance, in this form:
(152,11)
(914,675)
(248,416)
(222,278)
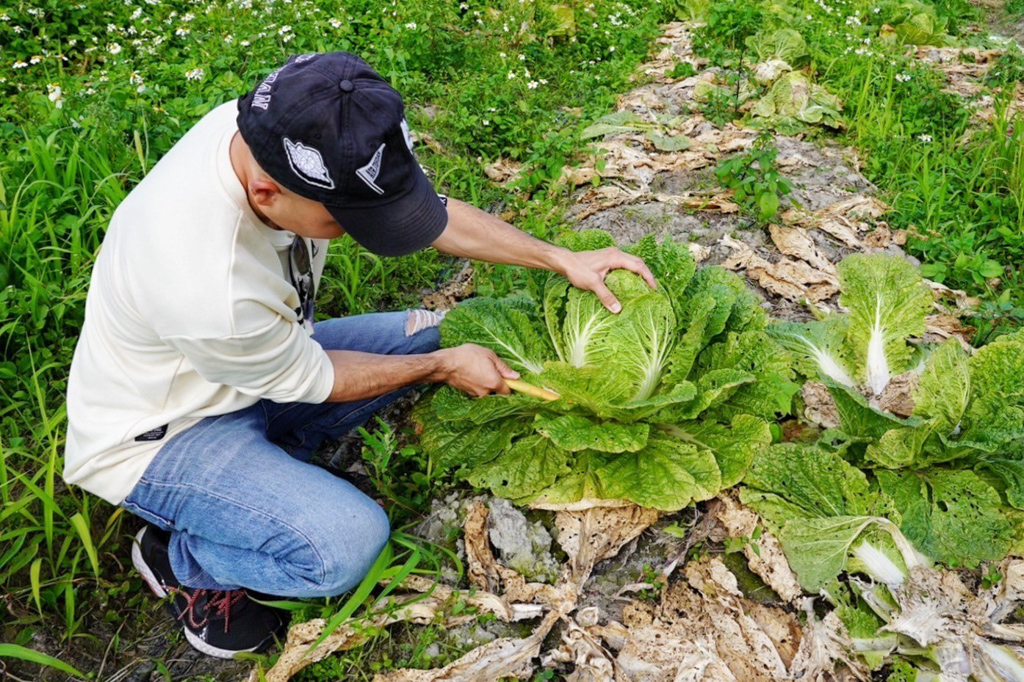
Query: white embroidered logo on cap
(408,134)
(370,171)
(308,164)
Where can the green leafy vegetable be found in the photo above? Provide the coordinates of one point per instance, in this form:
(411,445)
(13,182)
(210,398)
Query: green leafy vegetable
(662,404)
(820,505)
(794,100)
(785,44)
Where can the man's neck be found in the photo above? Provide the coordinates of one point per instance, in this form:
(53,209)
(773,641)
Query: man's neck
(241,163)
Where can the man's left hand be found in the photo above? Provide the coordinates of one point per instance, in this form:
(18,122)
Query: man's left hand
(587,270)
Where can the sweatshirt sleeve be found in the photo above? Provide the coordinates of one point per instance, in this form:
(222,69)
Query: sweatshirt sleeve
(279,362)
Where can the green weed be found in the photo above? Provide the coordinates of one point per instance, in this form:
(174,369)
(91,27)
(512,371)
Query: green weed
(755,180)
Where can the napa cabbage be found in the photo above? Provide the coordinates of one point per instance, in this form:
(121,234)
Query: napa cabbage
(662,404)
(954,467)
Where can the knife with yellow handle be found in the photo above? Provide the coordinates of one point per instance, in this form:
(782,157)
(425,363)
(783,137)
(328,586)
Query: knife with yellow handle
(530,389)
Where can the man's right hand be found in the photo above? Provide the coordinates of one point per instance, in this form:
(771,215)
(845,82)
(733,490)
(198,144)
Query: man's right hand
(475,370)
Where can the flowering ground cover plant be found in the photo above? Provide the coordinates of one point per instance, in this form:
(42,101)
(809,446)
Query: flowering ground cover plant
(662,404)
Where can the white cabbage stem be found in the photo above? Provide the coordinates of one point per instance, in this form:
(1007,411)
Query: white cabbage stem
(878,365)
(879,566)
(831,368)
(997,663)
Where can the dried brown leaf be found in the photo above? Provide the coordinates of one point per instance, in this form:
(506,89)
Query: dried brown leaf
(819,406)
(825,643)
(503,170)
(795,242)
(841,228)
(858,206)
(898,395)
(764,555)
(882,236)
(499,659)
(699,202)
(793,280)
(599,533)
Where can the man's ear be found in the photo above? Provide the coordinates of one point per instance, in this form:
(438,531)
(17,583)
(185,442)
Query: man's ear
(264,192)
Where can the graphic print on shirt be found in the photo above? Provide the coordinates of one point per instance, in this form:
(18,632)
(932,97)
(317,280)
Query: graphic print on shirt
(300,272)
(308,164)
(370,171)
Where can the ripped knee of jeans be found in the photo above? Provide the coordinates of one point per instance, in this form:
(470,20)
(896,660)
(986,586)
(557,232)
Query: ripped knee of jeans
(418,320)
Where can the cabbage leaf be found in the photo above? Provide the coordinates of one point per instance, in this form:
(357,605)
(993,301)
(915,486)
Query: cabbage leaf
(665,403)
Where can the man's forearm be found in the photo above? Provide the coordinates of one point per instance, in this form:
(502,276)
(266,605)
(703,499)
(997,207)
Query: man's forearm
(358,376)
(476,234)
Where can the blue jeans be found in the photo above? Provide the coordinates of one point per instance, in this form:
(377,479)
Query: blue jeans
(244,506)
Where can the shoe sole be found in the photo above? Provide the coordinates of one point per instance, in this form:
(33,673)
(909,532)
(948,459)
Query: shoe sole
(157,589)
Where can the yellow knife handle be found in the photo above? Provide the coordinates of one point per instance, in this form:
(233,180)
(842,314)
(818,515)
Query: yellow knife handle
(530,389)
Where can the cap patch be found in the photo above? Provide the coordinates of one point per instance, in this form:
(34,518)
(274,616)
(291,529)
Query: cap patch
(407,134)
(370,171)
(309,165)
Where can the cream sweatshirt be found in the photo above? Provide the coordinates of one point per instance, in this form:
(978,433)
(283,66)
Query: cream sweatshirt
(190,314)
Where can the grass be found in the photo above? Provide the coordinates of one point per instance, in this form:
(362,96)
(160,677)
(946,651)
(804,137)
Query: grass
(956,182)
(92,95)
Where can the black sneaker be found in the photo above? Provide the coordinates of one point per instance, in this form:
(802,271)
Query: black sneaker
(216,623)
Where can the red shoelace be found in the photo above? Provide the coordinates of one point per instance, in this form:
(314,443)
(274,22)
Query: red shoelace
(218,602)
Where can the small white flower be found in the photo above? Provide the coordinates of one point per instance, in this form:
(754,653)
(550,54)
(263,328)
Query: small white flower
(486,122)
(335,23)
(111,28)
(244,43)
(502,55)
(284,29)
(611,49)
(135,78)
(54,94)
(188,17)
(35,59)
(543,81)
(182,32)
(411,26)
(532,85)
(511,75)
(195,74)
(925,138)
(20,65)
(228,39)
(141,89)
(522,57)
(17,29)
(114,48)
(4,17)
(526,73)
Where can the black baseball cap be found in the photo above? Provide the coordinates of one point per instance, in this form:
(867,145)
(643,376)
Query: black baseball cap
(327,127)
